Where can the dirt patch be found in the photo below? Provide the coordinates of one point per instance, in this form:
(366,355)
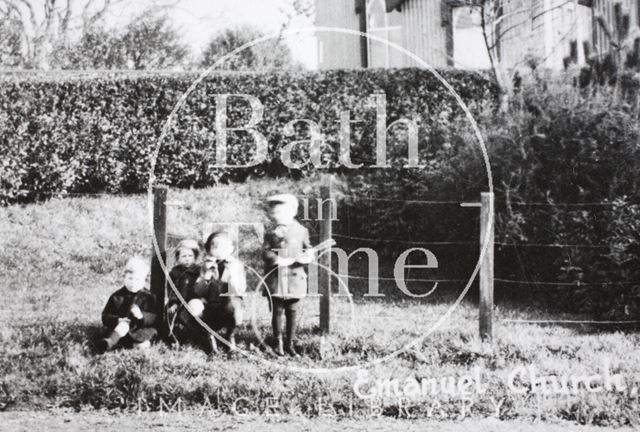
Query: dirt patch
(96,421)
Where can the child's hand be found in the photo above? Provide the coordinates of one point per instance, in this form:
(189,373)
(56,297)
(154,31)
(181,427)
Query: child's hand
(136,312)
(126,320)
(305,258)
(284,262)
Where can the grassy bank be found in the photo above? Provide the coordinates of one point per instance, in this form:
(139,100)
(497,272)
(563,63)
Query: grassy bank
(62,258)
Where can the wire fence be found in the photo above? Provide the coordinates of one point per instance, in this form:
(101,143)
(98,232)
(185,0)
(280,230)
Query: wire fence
(427,243)
(568,284)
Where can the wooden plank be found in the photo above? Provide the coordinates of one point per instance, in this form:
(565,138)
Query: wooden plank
(324,276)
(486,267)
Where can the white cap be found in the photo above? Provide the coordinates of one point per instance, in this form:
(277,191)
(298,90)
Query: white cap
(287,199)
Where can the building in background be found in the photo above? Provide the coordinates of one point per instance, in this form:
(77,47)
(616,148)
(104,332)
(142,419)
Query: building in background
(551,33)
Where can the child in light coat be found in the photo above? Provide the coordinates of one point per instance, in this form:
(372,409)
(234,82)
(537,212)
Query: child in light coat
(286,252)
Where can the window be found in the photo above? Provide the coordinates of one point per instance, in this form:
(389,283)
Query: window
(385,26)
(469,48)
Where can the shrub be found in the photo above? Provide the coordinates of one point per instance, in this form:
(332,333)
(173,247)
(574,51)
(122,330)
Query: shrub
(98,134)
(554,148)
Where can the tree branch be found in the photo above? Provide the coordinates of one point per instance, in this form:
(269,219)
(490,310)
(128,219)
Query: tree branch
(483,24)
(66,19)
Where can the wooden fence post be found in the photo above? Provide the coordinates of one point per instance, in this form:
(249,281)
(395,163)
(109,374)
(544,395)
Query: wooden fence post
(325,210)
(158,278)
(486,267)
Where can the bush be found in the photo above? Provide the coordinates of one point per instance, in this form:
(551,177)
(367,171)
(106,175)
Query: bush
(553,149)
(575,155)
(98,134)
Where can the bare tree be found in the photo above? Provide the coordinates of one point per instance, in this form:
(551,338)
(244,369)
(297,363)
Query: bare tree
(44,25)
(506,22)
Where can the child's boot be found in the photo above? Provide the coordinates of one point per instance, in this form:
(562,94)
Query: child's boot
(143,345)
(279,348)
(232,341)
(106,344)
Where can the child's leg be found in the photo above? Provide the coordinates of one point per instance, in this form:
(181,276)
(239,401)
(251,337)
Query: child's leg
(172,326)
(233,314)
(114,337)
(196,307)
(231,337)
(141,337)
(291,312)
(276,324)
(192,328)
(212,316)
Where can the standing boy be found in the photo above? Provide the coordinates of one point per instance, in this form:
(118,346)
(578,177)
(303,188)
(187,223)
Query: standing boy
(285,254)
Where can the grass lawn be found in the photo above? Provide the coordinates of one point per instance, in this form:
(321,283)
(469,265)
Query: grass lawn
(61,259)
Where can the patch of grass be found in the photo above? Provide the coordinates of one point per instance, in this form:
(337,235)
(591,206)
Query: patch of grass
(61,260)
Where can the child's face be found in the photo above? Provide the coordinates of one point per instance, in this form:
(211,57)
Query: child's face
(186,257)
(134,281)
(282,214)
(221,248)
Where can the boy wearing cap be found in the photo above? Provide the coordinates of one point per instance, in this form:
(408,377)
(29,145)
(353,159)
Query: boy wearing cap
(285,253)
(183,275)
(129,314)
(216,297)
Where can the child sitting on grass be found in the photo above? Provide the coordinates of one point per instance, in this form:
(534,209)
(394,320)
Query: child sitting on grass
(130,314)
(286,251)
(217,294)
(183,275)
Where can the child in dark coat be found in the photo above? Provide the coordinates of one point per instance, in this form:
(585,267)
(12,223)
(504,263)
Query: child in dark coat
(130,313)
(286,251)
(183,275)
(217,294)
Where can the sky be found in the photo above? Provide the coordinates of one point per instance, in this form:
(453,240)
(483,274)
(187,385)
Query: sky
(198,20)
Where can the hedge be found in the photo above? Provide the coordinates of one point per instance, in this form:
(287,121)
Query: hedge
(96,134)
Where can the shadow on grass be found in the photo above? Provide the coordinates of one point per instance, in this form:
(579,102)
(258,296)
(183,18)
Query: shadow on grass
(55,333)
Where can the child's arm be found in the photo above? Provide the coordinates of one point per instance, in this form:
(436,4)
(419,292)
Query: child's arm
(147,307)
(238,280)
(110,317)
(308,253)
(271,257)
(200,287)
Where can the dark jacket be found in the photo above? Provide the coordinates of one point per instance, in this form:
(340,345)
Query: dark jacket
(290,241)
(183,277)
(119,306)
(231,283)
